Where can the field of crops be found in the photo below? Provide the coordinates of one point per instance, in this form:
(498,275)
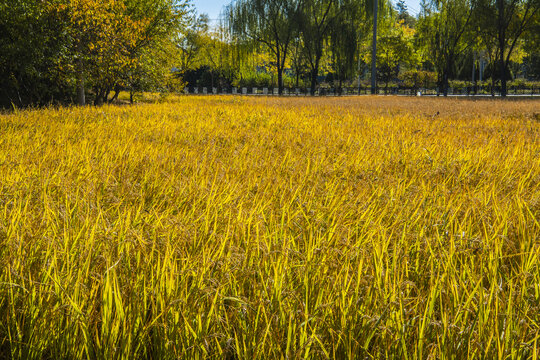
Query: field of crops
(251,228)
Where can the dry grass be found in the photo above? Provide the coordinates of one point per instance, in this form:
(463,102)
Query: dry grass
(229,227)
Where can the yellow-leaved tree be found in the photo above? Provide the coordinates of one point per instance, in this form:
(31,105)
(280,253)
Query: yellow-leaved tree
(110,37)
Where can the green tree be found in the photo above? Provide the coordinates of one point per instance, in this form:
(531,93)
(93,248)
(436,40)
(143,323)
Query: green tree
(338,22)
(396,49)
(272,23)
(191,42)
(298,60)
(403,14)
(49,48)
(532,49)
(317,20)
(31,44)
(347,33)
(503,23)
(155,52)
(442,26)
(223,57)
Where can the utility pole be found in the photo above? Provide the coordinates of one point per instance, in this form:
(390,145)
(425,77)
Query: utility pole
(474,73)
(374,50)
(359,75)
(481,66)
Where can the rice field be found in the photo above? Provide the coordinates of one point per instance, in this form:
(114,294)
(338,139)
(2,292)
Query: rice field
(271,228)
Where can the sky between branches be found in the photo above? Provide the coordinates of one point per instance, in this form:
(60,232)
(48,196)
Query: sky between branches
(214,7)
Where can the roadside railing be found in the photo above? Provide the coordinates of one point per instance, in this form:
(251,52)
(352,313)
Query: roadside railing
(348,91)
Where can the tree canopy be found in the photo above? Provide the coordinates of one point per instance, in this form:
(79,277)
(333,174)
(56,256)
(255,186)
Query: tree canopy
(313,43)
(67,47)
(81,51)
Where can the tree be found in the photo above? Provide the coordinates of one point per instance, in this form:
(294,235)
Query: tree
(396,48)
(504,22)
(103,36)
(154,54)
(318,18)
(348,32)
(52,49)
(344,47)
(442,26)
(532,49)
(29,59)
(403,14)
(152,71)
(191,42)
(298,59)
(272,23)
(338,22)
(221,54)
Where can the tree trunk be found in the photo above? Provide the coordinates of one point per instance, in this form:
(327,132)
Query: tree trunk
(105,96)
(81,97)
(315,72)
(313,81)
(99,97)
(374,50)
(445,83)
(502,43)
(279,68)
(280,80)
(446,73)
(502,66)
(116,93)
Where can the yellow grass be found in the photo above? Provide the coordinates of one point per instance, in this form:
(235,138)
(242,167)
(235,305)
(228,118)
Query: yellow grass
(229,227)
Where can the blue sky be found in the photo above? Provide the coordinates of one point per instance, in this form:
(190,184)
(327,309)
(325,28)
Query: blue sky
(213,7)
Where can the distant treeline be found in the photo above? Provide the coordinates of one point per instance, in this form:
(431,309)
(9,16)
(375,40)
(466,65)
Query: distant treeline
(309,43)
(87,51)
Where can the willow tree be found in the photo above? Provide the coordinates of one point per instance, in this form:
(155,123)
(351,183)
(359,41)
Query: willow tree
(318,18)
(344,47)
(191,42)
(271,23)
(442,27)
(340,23)
(348,31)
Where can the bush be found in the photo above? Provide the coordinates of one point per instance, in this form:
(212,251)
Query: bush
(418,79)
